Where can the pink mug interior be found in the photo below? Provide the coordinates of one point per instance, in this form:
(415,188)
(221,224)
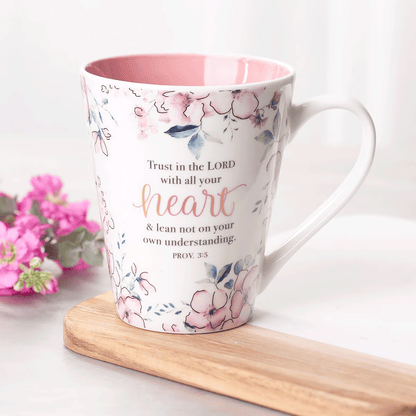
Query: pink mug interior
(188,70)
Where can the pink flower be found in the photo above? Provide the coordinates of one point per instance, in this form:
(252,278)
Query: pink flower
(48,188)
(144,284)
(145,122)
(70,217)
(16,247)
(208,309)
(30,222)
(242,103)
(172,328)
(51,287)
(98,138)
(274,101)
(47,191)
(244,295)
(258,119)
(129,309)
(181,108)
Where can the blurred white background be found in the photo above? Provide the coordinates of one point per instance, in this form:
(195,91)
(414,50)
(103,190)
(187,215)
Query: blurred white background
(361,48)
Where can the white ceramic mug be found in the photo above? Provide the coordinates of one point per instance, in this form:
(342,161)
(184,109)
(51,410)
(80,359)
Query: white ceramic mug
(187,153)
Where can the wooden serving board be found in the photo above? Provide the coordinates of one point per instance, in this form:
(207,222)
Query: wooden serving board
(257,365)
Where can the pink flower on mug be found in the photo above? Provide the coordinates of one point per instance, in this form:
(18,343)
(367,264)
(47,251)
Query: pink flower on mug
(106,219)
(258,119)
(208,309)
(242,103)
(99,136)
(172,328)
(181,108)
(145,123)
(16,247)
(144,283)
(129,309)
(244,295)
(229,324)
(274,101)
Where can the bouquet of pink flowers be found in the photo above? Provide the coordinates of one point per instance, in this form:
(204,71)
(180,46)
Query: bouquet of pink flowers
(44,225)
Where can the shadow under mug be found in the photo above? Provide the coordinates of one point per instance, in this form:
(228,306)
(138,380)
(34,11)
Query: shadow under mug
(187,153)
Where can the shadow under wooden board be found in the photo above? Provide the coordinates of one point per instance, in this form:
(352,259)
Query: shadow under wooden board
(253,364)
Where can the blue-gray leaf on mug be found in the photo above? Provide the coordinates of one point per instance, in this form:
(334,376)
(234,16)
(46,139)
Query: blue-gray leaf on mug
(229,284)
(248,260)
(180,132)
(238,267)
(268,147)
(276,123)
(196,144)
(265,137)
(211,138)
(211,270)
(224,272)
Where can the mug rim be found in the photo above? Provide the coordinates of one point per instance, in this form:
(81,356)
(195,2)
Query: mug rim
(285,79)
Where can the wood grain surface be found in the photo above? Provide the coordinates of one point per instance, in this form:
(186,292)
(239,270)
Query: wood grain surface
(257,365)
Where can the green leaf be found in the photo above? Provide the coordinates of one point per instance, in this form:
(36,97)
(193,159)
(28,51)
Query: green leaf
(37,212)
(18,285)
(52,251)
(78,236)
(35,263)
(8,208)
(7,205)
(37,287)
(91,254)
(68,254)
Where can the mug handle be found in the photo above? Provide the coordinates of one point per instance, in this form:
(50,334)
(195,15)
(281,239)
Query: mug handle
(299,114)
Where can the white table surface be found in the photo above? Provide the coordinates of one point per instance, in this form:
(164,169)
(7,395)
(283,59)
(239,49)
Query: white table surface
(353,285)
